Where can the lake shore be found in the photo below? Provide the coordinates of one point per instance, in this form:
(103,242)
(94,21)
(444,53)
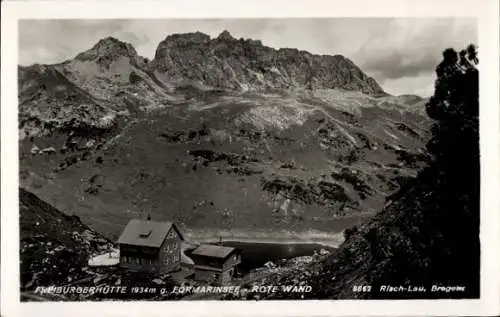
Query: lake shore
(326,239)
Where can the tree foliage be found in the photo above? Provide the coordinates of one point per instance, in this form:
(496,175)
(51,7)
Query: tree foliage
(431,233)
(449,188)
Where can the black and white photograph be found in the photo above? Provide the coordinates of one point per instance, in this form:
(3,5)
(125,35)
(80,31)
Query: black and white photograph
(249,159)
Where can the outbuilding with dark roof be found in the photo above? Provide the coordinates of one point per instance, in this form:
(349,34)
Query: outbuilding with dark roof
(216,264)
(150,246)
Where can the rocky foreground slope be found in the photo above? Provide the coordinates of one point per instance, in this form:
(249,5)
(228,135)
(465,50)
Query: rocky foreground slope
(54,247)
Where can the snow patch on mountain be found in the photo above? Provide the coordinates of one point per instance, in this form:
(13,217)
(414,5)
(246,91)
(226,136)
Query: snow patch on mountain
(276,116)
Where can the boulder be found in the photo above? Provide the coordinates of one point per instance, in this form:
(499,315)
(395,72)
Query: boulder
(270,265)
(87,235)
(59,248)
(35,150)
(48,150)
(90,143)
(158,281)
(99,278)
(324,252)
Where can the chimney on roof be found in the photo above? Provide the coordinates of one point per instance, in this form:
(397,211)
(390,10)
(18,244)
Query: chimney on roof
(145,233)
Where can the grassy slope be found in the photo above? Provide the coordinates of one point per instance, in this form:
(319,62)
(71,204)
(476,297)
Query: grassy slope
(148,168)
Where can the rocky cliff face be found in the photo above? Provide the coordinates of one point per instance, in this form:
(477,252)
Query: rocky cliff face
(110,80)
(49,101)
(227,62)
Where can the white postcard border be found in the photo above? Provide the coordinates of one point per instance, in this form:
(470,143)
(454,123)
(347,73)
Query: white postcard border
(486,11)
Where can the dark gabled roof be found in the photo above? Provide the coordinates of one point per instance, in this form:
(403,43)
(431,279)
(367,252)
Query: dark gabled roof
(213,251)
(146,233)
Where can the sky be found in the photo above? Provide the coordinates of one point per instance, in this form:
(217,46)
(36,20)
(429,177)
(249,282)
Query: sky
(399,53)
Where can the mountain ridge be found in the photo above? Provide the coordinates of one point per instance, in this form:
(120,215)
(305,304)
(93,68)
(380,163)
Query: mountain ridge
(256,66)
(116,47)
(111,80)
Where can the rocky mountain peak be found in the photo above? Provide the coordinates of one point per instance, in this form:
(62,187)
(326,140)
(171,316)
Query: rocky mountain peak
(186,38)
(227,63)
(109,40)
(226,36)
(108,47)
